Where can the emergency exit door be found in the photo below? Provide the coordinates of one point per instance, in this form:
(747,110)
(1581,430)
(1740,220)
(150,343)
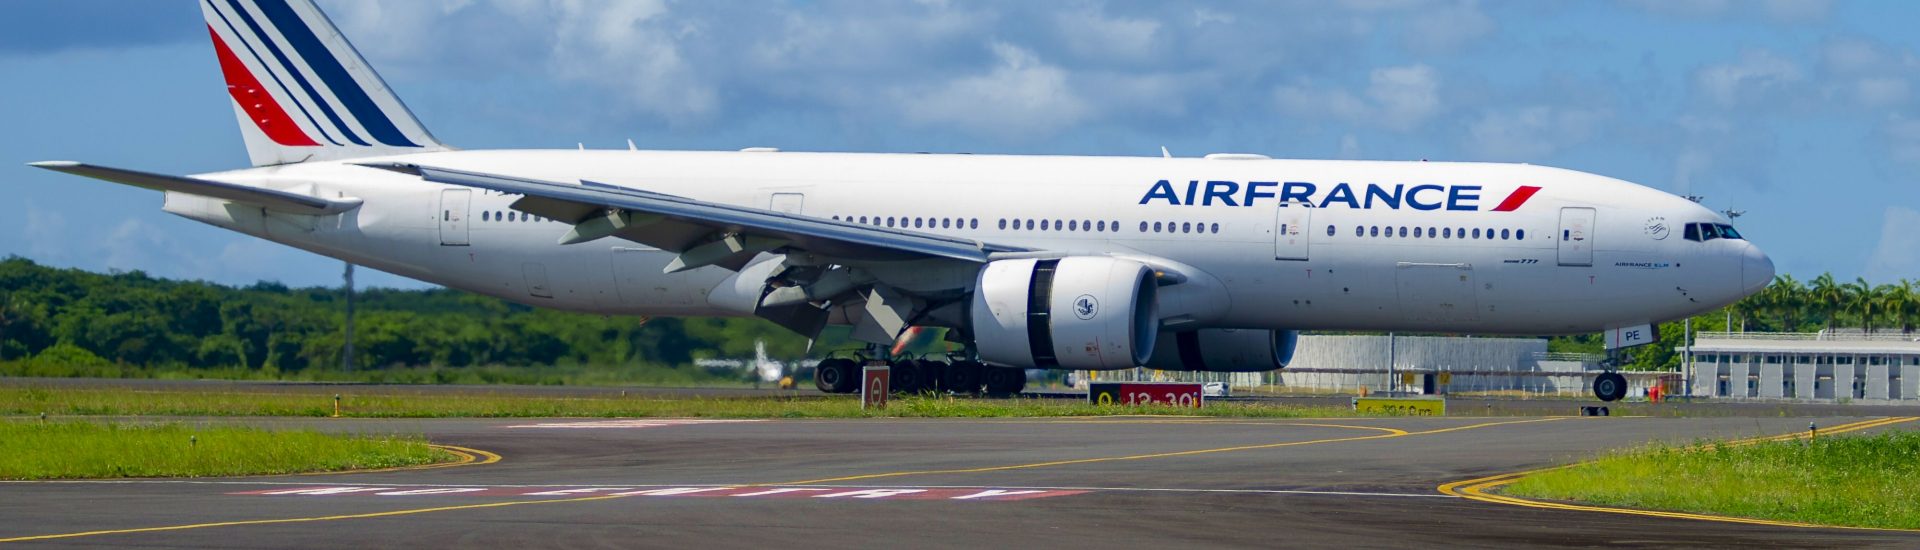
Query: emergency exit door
(453,216)
(789,203)
(1290,231)
(1576,236)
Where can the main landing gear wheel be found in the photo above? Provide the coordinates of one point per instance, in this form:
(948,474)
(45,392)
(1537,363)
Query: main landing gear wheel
(933,375)
(907,376)
(837,375)
(1005,382)
(962,377)
(1610,386)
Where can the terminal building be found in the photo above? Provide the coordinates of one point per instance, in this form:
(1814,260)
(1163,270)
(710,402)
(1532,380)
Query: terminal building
(1835,366)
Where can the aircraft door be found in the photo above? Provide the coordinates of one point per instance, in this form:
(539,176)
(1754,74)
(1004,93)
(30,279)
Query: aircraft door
(536,280)
(1291,231)
(786,202)
(453,216)
(1576,236)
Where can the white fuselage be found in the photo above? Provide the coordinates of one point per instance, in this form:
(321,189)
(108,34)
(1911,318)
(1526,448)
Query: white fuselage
(1596,252)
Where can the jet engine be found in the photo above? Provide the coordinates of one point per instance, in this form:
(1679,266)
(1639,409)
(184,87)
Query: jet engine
(1079,312)
(1225,350)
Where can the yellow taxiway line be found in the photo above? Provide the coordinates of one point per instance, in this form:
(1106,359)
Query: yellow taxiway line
(1480,488)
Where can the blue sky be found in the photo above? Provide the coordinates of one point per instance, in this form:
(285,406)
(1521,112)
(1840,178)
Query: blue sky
(1803,113)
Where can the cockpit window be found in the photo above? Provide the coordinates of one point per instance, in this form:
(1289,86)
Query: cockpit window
(1703,232)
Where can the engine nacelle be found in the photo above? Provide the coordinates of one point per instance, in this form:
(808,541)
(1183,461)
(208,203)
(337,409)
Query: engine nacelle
(1079,312)
(1225,350)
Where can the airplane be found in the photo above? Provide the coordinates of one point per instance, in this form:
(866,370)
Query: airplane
(1052,262)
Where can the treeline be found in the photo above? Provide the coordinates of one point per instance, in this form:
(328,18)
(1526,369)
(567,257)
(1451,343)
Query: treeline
(128,322)
(71,316)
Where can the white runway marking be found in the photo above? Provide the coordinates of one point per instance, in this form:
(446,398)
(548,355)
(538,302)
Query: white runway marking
(631,423)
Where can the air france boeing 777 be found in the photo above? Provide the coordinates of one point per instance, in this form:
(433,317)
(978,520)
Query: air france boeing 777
(1059,262)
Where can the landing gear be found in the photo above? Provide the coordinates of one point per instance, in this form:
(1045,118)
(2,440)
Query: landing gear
(1004,381)
(932,375)
(962,377)
(1610,386)
(837,375)
(907,376)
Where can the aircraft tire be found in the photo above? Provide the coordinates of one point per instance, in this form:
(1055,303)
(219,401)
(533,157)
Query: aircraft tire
(907,376)
(1610,386)
(962,377)
(836,375)
(1005,381)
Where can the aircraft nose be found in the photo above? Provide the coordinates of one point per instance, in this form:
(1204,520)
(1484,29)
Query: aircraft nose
(1756,269)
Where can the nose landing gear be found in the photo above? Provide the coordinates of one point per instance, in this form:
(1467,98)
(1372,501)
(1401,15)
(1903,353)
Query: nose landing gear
(1610,386)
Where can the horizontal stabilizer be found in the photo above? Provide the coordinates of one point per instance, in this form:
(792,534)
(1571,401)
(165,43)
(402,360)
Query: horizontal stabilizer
(270,199)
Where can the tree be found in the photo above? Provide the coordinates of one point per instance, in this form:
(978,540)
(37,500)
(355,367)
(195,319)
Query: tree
(1786,298)
(1827,297)
(1900,302)
(1860,301)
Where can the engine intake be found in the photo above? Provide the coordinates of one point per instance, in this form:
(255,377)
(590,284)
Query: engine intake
(1225,350)
(1069,313)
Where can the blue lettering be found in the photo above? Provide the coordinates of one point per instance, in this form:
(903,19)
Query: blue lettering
(1254,192)
(1161,190)
(1192,186)
(1224,190)
(1414,194)
(1297,191)
(1341,193)
(1459,194)
(1374,190)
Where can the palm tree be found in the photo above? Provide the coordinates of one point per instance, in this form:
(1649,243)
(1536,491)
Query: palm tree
(1860,300)
(1786,297)
(1900,301)
(1826,297)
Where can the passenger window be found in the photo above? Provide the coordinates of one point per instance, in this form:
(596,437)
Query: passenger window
(1374,231)
(1186,227)
(1216,228)
(1043,224)
(1503,234)
(1073,225)
(485,216)
(1446,232)
(1403,232)
(1029,225)
(1103,226)
(1143,227)
(974,224)
(1329,231)
(1519,234)
(1283,229)
(1476,232)
(1156,227)
(1359,231)
(1431,233)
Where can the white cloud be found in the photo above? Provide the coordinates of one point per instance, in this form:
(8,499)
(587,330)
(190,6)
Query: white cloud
(1022,97)
(1448,27)
(1530,133)
(1397,98)
(46,233)
(1757,75)
(1898,254)
(1092,34)
(631,46)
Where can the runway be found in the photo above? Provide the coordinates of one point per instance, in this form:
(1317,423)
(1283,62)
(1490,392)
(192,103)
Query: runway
(1106,482)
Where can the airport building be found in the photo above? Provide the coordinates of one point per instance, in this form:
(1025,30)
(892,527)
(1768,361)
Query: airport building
(1837,366)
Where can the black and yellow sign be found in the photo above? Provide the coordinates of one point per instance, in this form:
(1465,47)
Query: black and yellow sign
(1411,406)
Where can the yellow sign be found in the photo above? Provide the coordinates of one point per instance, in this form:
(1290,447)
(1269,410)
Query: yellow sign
(1406,378)
(1411,406)
(1446,378)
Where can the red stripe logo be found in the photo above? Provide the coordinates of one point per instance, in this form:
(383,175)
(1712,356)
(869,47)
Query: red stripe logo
(254,99)
(1519,197)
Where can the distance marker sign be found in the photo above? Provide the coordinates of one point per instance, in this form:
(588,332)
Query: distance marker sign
(1178,394)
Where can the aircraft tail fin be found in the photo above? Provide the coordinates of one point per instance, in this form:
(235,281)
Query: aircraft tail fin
(301,91)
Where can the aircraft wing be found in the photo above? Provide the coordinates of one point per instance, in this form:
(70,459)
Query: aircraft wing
(270,199)
(704,233)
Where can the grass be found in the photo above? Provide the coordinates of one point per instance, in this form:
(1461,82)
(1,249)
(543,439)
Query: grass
(86,450)
(1862,481)
(389,403)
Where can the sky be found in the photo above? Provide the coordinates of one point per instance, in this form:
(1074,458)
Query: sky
(1800,113)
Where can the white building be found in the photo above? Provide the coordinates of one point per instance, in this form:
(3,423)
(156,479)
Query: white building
(1826,366)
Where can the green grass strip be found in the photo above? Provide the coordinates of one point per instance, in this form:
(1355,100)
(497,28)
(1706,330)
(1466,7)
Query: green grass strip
(33,449)
(313,402)
(1859,481)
